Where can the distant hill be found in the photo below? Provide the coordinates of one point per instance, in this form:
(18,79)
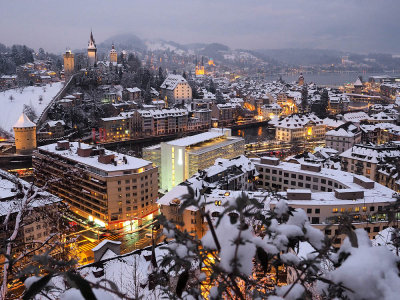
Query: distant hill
(303,56)
(127,41)
(162,45)
(290,56)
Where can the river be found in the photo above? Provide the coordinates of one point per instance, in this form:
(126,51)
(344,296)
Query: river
(329,78)
(254,134)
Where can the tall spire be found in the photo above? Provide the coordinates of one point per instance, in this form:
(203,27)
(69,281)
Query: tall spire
(92,43)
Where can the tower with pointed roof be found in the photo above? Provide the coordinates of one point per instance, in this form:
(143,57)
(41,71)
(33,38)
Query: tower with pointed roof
(300,81)
(92,51)
(25,135)
(358,86)
(113,54)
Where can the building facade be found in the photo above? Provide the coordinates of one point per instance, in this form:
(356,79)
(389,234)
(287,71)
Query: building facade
(225,176)
(325,193)
(343,137)
(299,128)
(175,89)
(363,159)
(103,186)
(181,158)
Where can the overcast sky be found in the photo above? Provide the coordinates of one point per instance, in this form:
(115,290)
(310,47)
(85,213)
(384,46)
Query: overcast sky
(351,25)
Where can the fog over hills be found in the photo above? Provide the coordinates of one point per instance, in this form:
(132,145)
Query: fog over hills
(218,51)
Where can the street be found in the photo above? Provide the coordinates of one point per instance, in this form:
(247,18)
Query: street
(89,236)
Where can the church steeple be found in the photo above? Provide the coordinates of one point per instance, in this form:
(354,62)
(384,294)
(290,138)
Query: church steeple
(92,51)
(92,43)
(113,54)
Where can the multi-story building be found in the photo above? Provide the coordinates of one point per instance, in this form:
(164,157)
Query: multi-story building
(362,159)
(388,173)
(52,130)
(159,121)
(181,158)
(175,89)
(299,128)
(106,187)
(325,193)
(116,128)
(380,117)
(355,117)
(36,223)
(132,94)
(270,111)
(203,116)
(141,123)
(288,103)
(343,137)
(224,114)
(226,175)
(338,103)
(370,134)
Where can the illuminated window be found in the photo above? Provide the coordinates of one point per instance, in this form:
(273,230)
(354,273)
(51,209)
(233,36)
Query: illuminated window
(227,193)
(364,208)
(335,210)
(141,170)
(218,202)
(357,209)
(342,210)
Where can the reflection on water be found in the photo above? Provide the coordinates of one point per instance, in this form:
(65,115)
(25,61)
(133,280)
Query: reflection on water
(328,78)
(254,134)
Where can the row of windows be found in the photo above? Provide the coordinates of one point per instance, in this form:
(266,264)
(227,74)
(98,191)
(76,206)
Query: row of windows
(367,229)
(296,184)
(134,187)
(134,180)
(296,176)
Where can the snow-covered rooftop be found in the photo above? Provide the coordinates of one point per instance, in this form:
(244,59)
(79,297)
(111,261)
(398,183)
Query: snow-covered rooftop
(122,162)
(172,81)
(195,139)
(24,122)
(8,191)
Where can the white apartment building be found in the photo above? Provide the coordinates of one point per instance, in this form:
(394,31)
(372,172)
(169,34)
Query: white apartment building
(175,89)
(326,193)
(363,159)
(299,128)
(343,137)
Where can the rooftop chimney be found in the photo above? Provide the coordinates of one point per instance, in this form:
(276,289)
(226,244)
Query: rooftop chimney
(106,159)
(62,145)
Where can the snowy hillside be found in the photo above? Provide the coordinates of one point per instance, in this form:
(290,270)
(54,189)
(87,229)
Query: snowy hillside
(12,108)
(163,46)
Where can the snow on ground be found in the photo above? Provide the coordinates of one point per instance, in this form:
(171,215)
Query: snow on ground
(163,46)
(12,109)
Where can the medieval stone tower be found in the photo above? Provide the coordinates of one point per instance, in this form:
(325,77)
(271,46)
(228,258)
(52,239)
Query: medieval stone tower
(25,135)
(69,63)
